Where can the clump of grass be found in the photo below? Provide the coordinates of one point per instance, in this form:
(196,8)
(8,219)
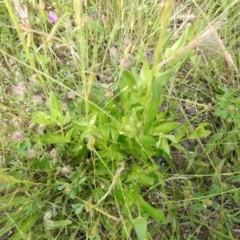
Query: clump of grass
(119,120)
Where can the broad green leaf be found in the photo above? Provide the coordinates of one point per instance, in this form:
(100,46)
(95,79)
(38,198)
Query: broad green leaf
(152,109)
(134,97)
(140,226)
(140,175)
(126,86)
(88,128)
(153,212)
(42,118)
(200,132)
(81,180)
(236,179)
(113,126)
(53,138)
(148,141)
(43,164)
(102,121)
(215,189)
(164,146)
(95,26)
(83,124)
(178,146)
(181,132)
(145,73)
(203,125)
(221,113)
(164,128)
(128,80)
(78,208)
(118,194)
(170,137)
(135,172)
(145,180)
(67,118)
(115,155)
(236,197)
(55,107)
(163,77)
(69,135)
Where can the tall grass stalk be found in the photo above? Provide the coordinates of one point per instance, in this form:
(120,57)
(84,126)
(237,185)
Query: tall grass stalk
(165,12)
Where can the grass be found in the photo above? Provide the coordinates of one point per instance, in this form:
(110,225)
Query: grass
(119,120)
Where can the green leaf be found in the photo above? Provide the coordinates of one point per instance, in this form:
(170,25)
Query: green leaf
(118,194)
(43,164)
(152,109)
(140,226)
(163,144)
(42,118)
(178,146)
(127,83)
(67,118)
(153,212)
(95,26)
(164,128)
(55,107)
(181,132)
(83,125)
(128,80)
(221,113)
(145,73)
(148,141)
(69,135)
(163,77)
(200,132)
(215,189)
(145,180)
(78,208)
(170,137)
(102,121)
(113,126)
(236,197)
(236,179)
(53,138)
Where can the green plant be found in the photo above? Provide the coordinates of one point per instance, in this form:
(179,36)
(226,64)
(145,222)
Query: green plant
(228,104)
(129,121)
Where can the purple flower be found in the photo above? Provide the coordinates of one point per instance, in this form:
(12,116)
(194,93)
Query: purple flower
(162,108)
(17,136)
(52,17)
(19,89)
